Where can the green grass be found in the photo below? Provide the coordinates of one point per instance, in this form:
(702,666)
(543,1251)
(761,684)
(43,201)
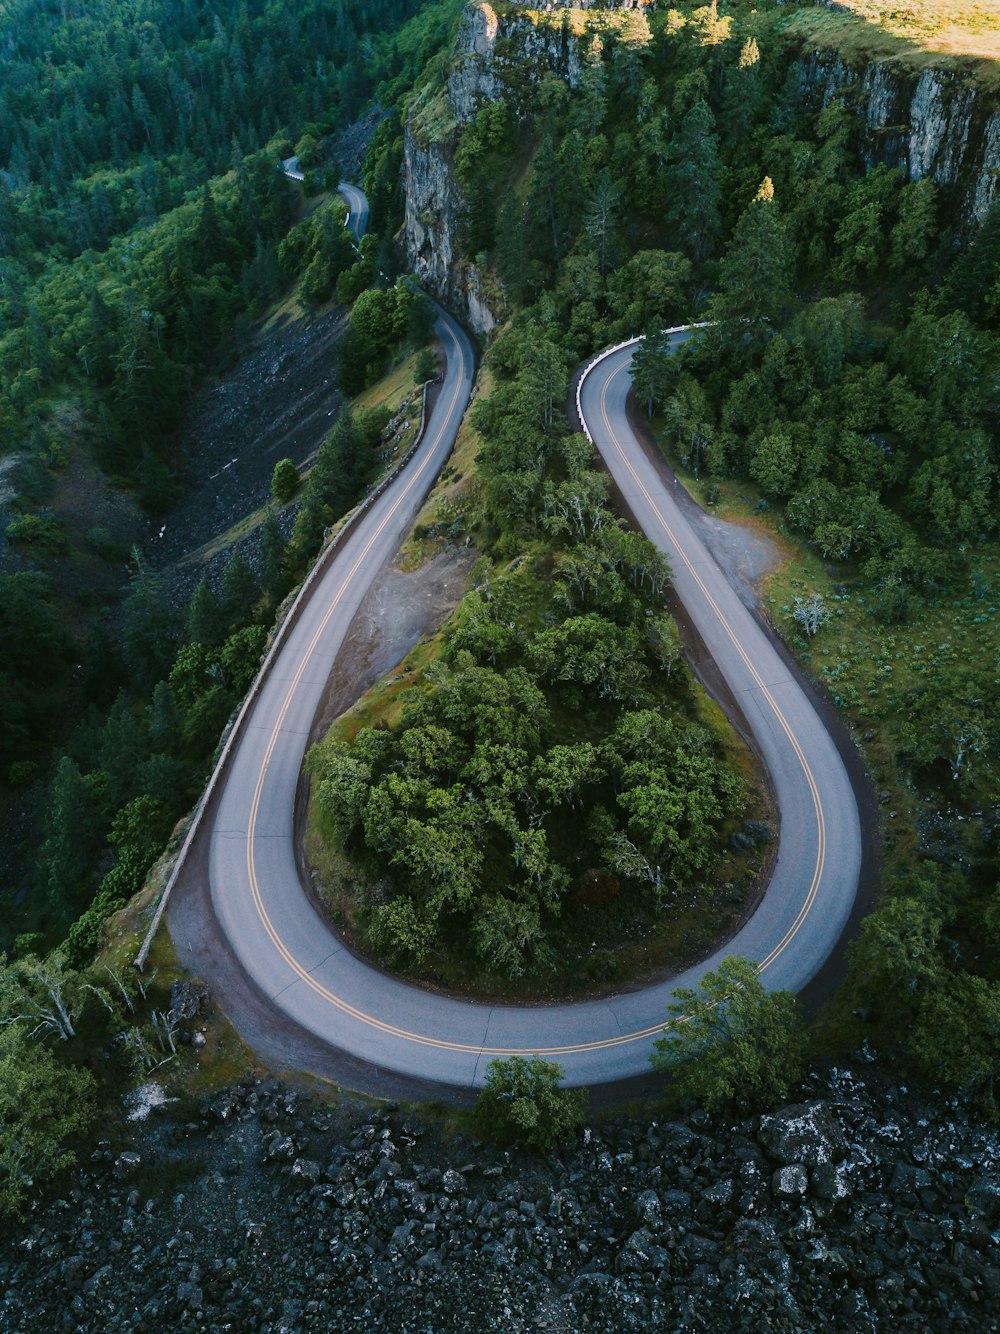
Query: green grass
(867,668)
(450,508)
(397,386)
(236,533)
(948,34)
(432,119)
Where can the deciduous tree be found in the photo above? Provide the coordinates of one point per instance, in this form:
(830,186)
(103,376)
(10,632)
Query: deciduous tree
(731,1039)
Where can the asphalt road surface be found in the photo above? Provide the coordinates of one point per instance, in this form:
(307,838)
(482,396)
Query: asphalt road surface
(291,953)
(355,199)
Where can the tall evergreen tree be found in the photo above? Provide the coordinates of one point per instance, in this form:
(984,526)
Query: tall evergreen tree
(755,281)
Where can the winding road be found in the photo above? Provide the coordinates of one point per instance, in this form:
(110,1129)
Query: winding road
(291,954)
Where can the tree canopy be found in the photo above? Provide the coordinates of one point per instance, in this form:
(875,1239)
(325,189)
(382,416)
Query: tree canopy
(732,1040)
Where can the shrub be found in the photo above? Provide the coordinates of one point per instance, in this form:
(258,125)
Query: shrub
(522,1101)
(285,481)
(427,366)
(733,1040)
(44,1106)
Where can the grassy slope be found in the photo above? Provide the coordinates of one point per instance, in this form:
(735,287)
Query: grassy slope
(943,33)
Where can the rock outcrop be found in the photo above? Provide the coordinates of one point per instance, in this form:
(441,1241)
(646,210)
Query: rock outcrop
(933,123)
(490,45)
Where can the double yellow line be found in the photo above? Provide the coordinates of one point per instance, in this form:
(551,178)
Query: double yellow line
(477,1049)
(817,876)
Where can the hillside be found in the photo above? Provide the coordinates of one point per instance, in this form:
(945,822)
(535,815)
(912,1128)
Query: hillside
(577,176)
(141,248)
(542,801)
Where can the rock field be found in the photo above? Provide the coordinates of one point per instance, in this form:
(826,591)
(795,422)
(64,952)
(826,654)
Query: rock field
(863,1207)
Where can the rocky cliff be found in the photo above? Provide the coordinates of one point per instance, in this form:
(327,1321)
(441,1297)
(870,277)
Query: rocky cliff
(491,45)
(934,122)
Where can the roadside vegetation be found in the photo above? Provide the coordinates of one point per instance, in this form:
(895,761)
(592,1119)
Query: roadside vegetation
(102,336)
(846,389)
(546,792)
(555,762)
(108,316)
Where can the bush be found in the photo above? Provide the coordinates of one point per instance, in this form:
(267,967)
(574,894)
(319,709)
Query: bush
(285,481)
(44,1106)
(523,1101)
(43,534)
(427,365)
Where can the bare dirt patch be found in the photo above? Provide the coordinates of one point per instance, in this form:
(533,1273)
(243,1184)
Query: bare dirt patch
(399,610)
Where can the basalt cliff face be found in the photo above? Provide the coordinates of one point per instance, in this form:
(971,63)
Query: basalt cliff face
(934,122)
(490,48)
(931,123)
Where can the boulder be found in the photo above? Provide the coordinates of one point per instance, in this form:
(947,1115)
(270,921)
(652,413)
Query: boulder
(306,1169)
(126,1163)
(829,1183)
(983,1198)
(791,1182)
(281,1149)
(804,1133)
(187,999)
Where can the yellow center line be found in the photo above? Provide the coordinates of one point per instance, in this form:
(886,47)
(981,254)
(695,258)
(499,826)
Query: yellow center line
(394,1030)
(786,728)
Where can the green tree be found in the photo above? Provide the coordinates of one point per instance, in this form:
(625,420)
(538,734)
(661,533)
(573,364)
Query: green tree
(427,365)
(73,824)
(755,279)
(693,188)
(120,751)
(522,1101)
(403,931)
(731,1039)
(648,292)
(238,593)
(204,617)
(504,933)
(149,631)
(45,1106)
(601,218)
(43,994)
(774,465)
(652,370)
(274,547)
(285,481)
(956,1034)
(210,243)
(309,152)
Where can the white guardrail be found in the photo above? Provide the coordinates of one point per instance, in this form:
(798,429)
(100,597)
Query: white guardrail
(618,347)
(323,560)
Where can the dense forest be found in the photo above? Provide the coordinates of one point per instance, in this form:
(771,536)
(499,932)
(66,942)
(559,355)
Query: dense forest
(847,383)
(144,213)
(846,390)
